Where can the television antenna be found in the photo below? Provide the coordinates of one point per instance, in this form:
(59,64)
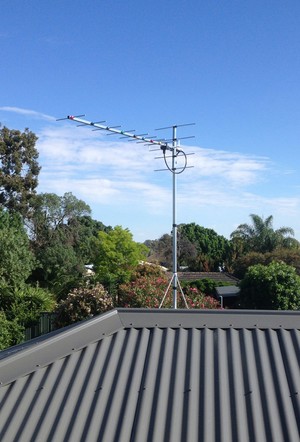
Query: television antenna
(175,160)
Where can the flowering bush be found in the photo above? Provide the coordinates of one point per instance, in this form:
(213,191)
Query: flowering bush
(82,303)
(148,290)
(196,299)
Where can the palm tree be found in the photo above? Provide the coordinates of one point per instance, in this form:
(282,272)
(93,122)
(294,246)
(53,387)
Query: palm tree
(261,237)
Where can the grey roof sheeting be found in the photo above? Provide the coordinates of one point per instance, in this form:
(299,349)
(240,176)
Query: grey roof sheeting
(157,375)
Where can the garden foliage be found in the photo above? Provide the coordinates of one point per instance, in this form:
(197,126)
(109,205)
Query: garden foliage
(21,307)
(272,287)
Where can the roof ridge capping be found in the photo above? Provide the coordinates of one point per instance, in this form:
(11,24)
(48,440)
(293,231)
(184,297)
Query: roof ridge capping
(248,319)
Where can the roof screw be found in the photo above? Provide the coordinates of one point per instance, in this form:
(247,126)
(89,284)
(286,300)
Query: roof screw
(249,392)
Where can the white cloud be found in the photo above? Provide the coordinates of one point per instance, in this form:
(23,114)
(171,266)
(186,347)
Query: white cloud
(96,168)
(86,150)
(235,168)
(27,112)
(107,171)
(117,179)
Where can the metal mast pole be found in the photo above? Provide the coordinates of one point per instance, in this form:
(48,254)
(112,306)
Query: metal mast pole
(174,230)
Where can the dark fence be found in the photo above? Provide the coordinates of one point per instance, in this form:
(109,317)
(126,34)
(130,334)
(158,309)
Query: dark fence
(45,325)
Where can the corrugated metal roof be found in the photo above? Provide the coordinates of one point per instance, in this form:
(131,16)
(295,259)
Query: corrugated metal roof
(163,375)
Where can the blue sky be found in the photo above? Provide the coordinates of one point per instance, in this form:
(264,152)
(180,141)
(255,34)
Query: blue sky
(230,67)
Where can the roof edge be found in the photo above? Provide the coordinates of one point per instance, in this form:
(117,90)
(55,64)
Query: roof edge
(18,361)
(25,358)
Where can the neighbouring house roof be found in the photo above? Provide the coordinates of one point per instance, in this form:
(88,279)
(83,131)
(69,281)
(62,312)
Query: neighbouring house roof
(227,291)
(157,375)
(222,277)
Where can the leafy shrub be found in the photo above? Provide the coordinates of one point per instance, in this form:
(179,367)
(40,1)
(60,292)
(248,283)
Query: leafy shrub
(274,287)
(25,304)
(29,303)
(82,303)
(11,332)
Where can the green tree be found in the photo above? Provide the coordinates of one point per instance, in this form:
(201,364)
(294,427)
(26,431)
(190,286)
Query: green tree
(19,169)
(16,259)
(243,262)
(87,233)
(58,240)
(53,212)
(272,287)
(289,256)
(261,237)
(20,304)
(117,256)
(160,250)
(186,250)
(212,249)
(58,266)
